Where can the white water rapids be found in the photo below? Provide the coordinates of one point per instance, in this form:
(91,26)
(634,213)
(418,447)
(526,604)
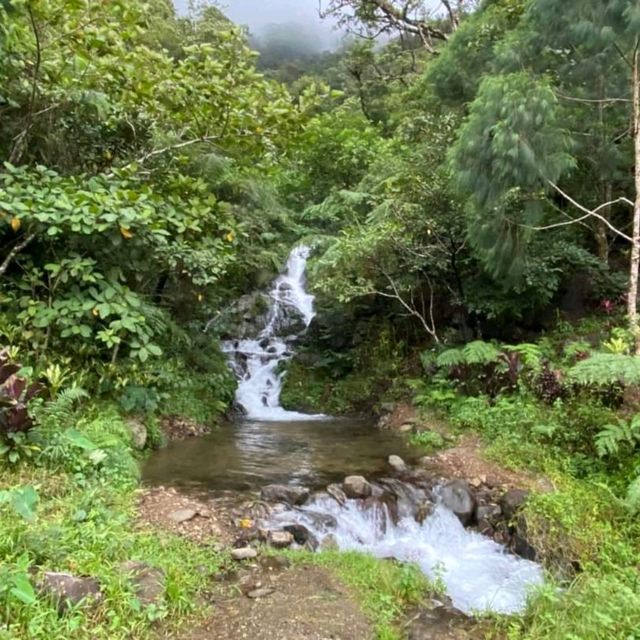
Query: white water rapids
(479,575)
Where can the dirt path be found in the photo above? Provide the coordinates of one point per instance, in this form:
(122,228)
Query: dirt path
(299,603)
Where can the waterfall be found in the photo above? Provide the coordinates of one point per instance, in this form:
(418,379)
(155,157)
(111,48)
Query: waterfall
(256,361)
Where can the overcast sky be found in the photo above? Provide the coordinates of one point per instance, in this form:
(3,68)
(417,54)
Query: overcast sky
(258,13)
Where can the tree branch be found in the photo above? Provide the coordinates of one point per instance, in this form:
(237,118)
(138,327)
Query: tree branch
(23,244)
(588,213)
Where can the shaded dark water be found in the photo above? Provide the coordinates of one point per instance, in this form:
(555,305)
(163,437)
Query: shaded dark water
(247,455)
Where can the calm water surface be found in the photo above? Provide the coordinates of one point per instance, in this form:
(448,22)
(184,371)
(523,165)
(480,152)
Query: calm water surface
(247,455)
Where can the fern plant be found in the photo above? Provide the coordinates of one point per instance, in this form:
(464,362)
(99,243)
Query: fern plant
(618,439)
(607,369)
(633,496)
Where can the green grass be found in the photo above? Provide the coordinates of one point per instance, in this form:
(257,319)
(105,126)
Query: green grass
(84,525)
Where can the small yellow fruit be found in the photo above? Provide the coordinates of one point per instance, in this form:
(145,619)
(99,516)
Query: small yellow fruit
(246,523)
(16,224)
(230,236)
(126,233)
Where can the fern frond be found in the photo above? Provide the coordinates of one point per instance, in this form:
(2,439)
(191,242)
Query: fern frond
(480,352)
(450,358)
(632,499)
(607,368)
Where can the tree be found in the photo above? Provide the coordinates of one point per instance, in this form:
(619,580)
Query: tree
(513,151)
(372,18)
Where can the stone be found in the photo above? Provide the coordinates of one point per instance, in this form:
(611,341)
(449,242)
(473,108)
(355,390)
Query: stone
(457,496)
(329,543)
(388,407)
(512,501)
(336,492)
(356,487)
(244,553)
(138,433)
(280,539)
(67,590)
(302,535)
(407,427)
(183,515)
(291,494)
(148,582)
(260,593)
(397,463)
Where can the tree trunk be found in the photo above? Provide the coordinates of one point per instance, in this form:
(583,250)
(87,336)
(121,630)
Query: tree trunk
(632,303)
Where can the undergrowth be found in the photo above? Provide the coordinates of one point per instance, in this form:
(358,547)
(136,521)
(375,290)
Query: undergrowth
(82,523)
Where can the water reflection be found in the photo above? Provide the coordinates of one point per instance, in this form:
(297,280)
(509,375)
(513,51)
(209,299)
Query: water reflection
(247,455)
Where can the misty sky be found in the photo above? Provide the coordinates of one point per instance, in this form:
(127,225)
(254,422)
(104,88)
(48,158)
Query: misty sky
(258,13)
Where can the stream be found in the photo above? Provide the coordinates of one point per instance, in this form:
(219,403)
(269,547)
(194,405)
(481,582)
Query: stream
(270,444)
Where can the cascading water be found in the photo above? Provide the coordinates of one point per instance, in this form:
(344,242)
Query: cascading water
(479,574)
(256,360)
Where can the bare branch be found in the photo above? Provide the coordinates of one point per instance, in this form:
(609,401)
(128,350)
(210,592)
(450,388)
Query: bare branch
(592,100)
(588,213)
(23,244)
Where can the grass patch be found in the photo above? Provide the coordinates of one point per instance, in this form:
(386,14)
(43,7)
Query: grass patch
(84,526)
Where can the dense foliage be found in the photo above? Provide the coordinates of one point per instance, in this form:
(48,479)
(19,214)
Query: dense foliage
(469,184)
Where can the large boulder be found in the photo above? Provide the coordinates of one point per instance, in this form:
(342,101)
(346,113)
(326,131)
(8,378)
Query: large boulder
(457,496)
(291,494)
(357,487)
(148,582)
(67,590)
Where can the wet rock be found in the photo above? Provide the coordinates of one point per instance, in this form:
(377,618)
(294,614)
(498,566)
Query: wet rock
(67,590)
(263,592)
(336,492)
(487,516)
(302,535)
(457,496)
(183,515)
(148,582)
(138,433)
(244,553)
(423,511)
(357,487)
(512,501)
(322,520)
(397,463)
(280,539)
(291,494)
(329,543)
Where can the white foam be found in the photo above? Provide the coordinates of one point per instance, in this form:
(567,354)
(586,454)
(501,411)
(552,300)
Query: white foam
(479,574)
(256,361)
